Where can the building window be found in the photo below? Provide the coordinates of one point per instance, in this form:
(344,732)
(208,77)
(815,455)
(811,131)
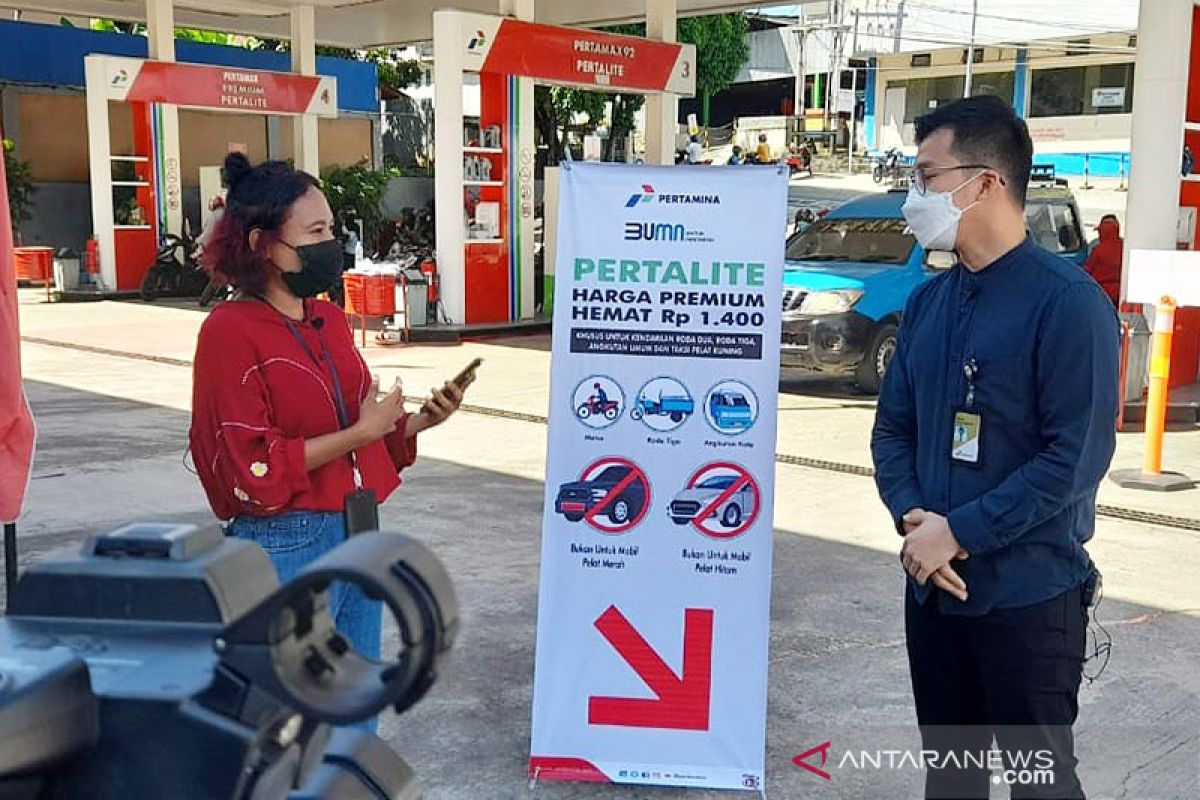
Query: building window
(1072,91)
(999,84)
(922,95)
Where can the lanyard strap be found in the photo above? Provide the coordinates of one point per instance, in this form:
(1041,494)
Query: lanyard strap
(338,399)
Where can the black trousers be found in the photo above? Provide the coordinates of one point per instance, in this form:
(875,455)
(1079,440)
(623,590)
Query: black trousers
(1012,674)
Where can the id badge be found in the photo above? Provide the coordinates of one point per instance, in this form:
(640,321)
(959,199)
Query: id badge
(362,511)
(964,447)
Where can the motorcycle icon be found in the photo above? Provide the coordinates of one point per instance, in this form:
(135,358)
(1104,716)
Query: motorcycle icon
(594,406)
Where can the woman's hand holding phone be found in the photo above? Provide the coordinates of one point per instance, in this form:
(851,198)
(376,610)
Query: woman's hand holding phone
(443,402)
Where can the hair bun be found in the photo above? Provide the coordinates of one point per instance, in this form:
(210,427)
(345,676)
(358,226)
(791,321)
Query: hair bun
(237,167)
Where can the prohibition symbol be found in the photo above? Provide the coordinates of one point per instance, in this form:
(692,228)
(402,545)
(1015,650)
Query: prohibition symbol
(721,501)
(612,495)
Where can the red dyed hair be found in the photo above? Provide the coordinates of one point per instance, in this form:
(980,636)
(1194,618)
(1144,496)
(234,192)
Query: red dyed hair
(259,198)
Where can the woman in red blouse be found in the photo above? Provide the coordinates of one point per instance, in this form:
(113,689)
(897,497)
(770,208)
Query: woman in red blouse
(286,418)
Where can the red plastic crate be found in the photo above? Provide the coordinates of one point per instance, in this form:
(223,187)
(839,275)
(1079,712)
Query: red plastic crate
(370,295)
(34,263)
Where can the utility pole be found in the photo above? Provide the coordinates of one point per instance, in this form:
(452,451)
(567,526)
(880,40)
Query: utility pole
(798,109)
(971,49)
(854,94)
(835,57)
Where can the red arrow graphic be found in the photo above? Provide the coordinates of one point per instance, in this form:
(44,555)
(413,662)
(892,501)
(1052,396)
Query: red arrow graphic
(683,703)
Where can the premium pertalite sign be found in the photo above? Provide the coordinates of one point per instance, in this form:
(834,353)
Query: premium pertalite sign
(654,608)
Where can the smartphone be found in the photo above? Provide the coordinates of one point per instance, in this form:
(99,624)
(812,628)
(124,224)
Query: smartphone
(463,379)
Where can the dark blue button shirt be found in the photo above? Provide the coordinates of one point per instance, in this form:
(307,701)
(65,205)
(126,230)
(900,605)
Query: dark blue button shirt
(1045,343)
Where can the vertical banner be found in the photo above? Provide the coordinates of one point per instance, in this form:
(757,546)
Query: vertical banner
(654,606)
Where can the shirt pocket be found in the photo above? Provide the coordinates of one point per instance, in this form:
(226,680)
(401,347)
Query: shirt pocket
(1004,391)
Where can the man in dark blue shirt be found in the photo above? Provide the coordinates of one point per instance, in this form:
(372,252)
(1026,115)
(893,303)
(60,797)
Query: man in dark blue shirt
(995,425)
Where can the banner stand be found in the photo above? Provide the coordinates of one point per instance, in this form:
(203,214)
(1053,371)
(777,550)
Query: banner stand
(654,602)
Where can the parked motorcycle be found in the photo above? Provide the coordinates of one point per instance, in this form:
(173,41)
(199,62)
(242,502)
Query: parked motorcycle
(174,271)
(217,290)
(886,165)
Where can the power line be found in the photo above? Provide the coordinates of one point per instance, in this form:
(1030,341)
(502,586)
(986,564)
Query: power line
(1046,46)
(1004,18)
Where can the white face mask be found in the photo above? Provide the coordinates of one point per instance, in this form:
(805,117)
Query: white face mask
(933,217)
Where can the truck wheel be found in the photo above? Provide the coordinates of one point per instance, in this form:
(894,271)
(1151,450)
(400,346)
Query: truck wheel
(636,413)
(732,516)
(869,376)
(677,417)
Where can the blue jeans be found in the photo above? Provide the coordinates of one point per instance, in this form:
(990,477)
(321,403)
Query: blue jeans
(296,539)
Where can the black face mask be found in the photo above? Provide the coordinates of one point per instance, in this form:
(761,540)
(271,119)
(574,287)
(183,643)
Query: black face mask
(320,268)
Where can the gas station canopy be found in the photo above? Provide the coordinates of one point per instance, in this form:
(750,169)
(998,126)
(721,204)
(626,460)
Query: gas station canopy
(357,24)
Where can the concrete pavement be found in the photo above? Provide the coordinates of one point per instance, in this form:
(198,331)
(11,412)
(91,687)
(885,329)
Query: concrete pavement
(111,446)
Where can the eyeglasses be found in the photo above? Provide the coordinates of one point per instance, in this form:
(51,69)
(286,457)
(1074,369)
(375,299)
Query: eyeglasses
(919,176)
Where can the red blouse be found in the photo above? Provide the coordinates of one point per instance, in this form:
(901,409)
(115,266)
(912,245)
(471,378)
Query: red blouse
(257,394)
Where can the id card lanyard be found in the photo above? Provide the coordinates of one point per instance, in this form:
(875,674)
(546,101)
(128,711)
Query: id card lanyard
(967,424)
(338,398)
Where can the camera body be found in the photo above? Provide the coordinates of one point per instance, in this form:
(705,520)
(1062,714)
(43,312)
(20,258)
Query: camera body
(167,661)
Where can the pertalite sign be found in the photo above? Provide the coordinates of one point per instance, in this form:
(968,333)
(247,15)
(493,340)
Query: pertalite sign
(220,88)
(654,606)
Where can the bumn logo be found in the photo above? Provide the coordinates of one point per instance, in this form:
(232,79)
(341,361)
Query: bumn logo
(645,196)
(477,41)
(653,232)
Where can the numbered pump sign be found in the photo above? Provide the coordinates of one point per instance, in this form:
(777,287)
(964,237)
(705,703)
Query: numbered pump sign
(654,607)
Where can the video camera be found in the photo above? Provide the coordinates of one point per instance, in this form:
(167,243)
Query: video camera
(166,661)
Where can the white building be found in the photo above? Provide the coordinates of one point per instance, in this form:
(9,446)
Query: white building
(1066,66)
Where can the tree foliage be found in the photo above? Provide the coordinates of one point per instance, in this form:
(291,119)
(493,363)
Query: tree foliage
(721,51)
(395,73)
(139,29)
(358,192)
(20,185)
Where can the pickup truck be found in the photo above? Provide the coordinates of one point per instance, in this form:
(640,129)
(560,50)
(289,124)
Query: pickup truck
(577,498)
(847,278)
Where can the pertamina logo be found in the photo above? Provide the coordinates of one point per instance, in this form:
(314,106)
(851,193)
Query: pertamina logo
(477,41)
(648,195)
(644,196)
